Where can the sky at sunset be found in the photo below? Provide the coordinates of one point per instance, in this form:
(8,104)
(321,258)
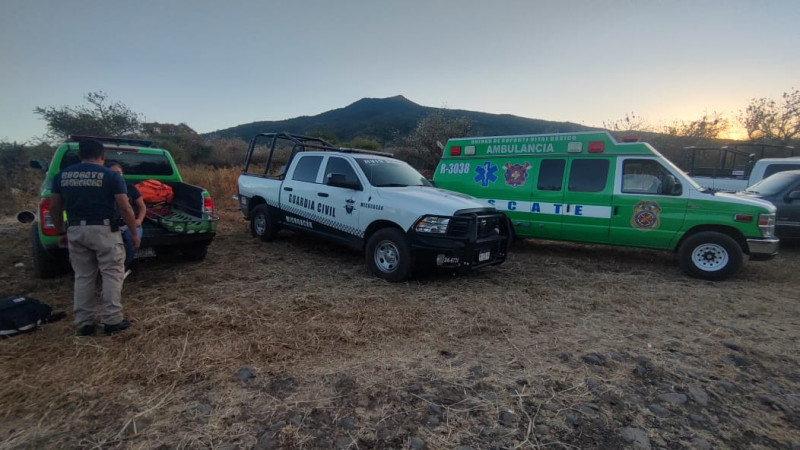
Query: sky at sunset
(213,65)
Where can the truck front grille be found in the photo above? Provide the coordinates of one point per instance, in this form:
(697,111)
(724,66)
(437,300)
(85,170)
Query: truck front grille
(478,226)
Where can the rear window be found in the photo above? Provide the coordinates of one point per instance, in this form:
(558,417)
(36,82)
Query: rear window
(775,168)
(133,163)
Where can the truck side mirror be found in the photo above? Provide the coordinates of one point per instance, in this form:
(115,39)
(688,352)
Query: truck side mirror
(792,196)
(339,180)
(38,164)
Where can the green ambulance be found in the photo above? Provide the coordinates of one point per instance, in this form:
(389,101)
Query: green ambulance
(587,187)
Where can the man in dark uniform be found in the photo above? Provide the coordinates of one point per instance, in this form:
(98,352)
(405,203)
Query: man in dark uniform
(89,191)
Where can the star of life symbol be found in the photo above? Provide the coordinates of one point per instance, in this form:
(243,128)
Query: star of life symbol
(516,174)
(486,174)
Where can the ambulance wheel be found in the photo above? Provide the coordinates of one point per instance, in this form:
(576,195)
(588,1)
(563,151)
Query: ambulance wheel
(710,255)
(388,255)
(261,224)
(44,265)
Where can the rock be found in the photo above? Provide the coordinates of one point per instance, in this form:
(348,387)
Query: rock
(343,442)
(635,436)
(416,443)
(245,373)
(296,420)
(728,386)
(659,410)
(564,357)
(701,444)
(19,265)
(699,395)
(732,345)
(672,397)
(572,420)
(646,369)
(508,419)
(696,419)
(434,409)
(594,359)
(542,429)
(588,409)
(348,423)
(432,421)
(446,353)
(736,360)
(617,357)
(592,384)
(476,371)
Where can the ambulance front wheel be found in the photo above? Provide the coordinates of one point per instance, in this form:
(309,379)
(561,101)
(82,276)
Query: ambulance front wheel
(388,255)
(710,255)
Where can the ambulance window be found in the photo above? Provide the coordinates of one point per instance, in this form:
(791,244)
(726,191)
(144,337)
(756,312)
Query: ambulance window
(307,169)
(588,175)
(646,176)
(551,175)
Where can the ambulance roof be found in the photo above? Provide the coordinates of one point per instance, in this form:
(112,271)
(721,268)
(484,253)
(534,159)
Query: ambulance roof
(591,142)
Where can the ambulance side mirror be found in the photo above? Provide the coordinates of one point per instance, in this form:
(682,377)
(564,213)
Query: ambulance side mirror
(671,186)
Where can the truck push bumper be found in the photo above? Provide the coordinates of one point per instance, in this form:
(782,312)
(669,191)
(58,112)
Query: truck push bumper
(763,249)
(471,247)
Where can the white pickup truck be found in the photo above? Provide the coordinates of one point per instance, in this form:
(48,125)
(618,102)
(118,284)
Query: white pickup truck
(736,167)
(368,201)
(761,169)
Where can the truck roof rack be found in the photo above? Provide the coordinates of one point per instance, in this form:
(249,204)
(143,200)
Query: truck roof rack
(314,143)
(112,140)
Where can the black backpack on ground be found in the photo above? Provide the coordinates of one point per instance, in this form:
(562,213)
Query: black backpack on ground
(19,313)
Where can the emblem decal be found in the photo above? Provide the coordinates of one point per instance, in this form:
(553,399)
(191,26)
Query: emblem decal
(486,174)
(646,215)
(350,205)
(516,174)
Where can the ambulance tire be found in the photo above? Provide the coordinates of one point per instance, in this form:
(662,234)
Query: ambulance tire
(261,224)
(44,265)
(710,255)
(388,255)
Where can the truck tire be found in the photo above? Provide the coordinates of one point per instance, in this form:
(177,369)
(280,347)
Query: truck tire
(388,255)
(710,255)
(45,265)
(261,224)
(195,252)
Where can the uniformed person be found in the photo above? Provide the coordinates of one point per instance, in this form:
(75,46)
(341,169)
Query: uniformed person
(89,192)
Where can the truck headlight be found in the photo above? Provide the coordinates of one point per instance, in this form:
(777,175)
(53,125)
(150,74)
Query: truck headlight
(432,224)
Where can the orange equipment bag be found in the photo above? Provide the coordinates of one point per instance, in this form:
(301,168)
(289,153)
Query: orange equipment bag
(154,191)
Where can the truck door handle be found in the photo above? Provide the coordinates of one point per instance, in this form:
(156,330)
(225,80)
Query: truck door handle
(322,194)
(287,189)
(616,210)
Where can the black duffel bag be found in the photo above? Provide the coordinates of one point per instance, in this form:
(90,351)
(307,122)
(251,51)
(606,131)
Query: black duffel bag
(19,313)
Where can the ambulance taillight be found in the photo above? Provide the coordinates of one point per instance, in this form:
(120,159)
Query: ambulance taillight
(455,150)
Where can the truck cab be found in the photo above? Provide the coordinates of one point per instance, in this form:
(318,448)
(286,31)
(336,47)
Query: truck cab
(368,201)
(587,187)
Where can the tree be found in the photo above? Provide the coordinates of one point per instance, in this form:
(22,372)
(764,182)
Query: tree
(99,118)
(710,126)
(185,145)
(631,122)
(768,120)
(430,132)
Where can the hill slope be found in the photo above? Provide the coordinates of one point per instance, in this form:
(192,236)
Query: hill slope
(384,118)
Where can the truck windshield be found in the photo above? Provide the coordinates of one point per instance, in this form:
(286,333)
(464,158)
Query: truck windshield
(382,172)
(773,184)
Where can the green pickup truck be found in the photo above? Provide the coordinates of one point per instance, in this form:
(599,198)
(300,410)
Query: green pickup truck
(187,225)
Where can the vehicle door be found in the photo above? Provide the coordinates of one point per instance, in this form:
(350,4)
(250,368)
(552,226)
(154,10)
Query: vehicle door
(340,197)
(587,201)
(787,217)
(649,207)
(299,200)
(544,215)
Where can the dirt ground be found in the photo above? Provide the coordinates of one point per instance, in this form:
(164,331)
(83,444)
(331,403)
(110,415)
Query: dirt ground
(291,344)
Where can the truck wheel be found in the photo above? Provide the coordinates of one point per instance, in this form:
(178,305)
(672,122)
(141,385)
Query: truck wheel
(710,255)
(388,255)
(195,252)
(45,265)
(261,224)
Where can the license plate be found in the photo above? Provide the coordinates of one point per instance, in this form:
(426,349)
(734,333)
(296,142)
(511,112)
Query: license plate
(484,256)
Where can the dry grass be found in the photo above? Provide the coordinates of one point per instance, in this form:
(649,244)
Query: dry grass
(342,358)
